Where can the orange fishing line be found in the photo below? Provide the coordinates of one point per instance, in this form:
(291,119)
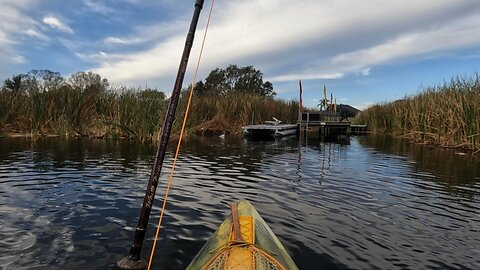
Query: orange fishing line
(180,140)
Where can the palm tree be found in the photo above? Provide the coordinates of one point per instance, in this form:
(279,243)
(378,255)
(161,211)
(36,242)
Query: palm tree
(323,104)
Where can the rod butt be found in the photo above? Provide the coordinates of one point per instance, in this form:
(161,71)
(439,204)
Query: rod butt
(127,263)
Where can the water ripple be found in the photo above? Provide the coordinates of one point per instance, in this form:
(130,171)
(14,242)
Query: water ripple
(357,206)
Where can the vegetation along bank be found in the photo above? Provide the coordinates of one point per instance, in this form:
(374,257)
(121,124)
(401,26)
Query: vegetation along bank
(446,115)
(42,102)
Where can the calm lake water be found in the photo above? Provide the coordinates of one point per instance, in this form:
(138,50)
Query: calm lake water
(372,203)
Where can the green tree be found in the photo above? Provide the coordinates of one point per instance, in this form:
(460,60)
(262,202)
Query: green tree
(152,94)
(200,88)
(14,84)
(216,83)
(39,81)
(246,80)
(267,89)
(88,80)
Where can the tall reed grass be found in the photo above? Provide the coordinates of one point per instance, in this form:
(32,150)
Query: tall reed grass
(231,111)
(447,115)
(130,113)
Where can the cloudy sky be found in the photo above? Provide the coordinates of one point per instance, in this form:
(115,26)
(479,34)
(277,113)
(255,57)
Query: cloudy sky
(363,51)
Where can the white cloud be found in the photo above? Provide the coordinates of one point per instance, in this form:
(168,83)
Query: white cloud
(99,57)
(463,33)
(124,41)
(115,40)
(98,7)
(134,67)
(150,34)
(18,59)
(14,20)
(306,76)
(308,40)
(366,71)
(55,23)
(31,32)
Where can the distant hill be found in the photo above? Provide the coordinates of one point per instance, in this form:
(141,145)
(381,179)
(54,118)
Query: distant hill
(347,110)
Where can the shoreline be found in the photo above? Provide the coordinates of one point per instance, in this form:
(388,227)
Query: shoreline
(174,136)
(465,148)
(444,115)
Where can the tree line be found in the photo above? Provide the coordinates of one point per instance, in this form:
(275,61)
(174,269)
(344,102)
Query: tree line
(85,104)
(232,79)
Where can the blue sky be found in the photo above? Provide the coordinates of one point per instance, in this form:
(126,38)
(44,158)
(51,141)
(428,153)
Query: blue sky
(363,51)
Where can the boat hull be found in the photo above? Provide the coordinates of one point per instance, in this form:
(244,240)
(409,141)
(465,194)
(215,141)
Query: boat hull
(259,249)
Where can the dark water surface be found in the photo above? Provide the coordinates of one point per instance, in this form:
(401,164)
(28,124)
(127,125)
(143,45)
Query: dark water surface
(375,203)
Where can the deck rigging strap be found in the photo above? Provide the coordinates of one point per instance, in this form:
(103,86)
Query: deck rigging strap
(180,139)
(236,223)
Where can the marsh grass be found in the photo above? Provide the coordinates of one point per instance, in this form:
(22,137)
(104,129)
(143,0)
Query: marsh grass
(232,111)
(91,112)
(211,114)
(447,115)
(129,113)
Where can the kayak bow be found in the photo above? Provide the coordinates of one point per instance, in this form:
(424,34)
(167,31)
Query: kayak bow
(243,241)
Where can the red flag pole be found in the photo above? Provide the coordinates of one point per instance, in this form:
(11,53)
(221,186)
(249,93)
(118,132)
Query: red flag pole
(331,104)
(301,105)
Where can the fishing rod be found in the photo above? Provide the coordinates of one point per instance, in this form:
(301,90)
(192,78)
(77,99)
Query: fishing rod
(133,261)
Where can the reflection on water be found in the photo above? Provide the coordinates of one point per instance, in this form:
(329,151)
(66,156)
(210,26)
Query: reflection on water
(456,172)
(369,203)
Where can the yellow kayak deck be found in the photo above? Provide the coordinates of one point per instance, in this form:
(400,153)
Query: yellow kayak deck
(243,242)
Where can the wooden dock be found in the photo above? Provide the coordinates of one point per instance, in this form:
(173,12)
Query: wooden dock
(270,131)
(329,125)
(358,129)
